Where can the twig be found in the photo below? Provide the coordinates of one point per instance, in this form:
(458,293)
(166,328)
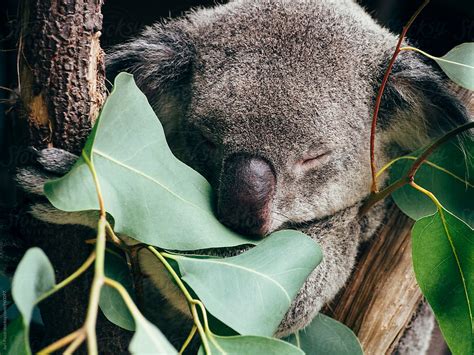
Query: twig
(416,165)
(69,279)
(188,339)
(378,100)
(96,182)
(75,344)
(97,282)
(58,344)
(204,332)
(410,175)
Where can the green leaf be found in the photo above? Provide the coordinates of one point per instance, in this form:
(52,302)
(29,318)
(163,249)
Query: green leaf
(458,64)
(451,181)
(148,339)
(17,338)
(33,277)
(111,302)
(146,189)
(252,292)
(443,259)
(245,345)
(326,336)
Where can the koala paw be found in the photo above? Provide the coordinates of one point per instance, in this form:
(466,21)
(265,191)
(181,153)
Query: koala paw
(49,164)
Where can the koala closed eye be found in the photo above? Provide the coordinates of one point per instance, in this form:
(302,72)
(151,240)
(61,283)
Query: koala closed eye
(313,161)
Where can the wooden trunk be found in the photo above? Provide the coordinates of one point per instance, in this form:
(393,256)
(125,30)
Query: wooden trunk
(62,88)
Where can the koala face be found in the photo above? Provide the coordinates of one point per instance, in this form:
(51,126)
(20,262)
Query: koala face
(272,102)
(278,152)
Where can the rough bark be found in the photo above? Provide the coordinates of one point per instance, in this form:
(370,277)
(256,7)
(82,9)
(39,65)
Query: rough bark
(62,82)
(62,87)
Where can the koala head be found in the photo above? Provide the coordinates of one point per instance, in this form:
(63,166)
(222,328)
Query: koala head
(272,101)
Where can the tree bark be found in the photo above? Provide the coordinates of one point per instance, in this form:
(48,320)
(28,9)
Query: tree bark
(382,295)
(62,76)
(62,88)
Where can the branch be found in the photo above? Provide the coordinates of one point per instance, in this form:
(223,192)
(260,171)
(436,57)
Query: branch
(382,294)
(378,100)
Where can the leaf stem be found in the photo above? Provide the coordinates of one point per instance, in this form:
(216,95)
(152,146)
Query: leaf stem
(125,296)
(450,240)
(416,165)
(88,329)
(97,282)
(69,279)
(188,339)
(409,177)
(75,344)
(375,197)
(436,59)
(427,162)
(204,332)
(173,273)
(58,344)
(297,338)
(430,195)
(389,164)
(96,182)
(378,101)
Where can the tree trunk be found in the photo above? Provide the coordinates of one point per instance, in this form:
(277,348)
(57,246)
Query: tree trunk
(382,295)
(62,87)
(62,77)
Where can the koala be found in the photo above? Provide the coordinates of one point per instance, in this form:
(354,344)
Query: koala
(271,100)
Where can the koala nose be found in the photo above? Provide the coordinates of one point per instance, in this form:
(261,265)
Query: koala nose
(245,194)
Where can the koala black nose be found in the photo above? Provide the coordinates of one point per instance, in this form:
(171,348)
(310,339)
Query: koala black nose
(245,194)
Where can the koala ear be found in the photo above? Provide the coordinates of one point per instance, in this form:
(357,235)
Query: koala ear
(418,106)
(161,61)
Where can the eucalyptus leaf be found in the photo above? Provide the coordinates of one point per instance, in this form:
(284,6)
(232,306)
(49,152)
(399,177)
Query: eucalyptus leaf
(245,345)
(252,292)
(146,189)
(17,338)
(326,336)
(444,267)
(33,277)
(458,64)
(148,339)
(451,180)
(111,302)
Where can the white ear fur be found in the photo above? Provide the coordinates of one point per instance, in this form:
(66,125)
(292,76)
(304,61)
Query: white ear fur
(49,214)
(161,278)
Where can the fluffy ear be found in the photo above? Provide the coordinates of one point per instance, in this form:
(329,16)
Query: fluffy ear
(418,106)
(161,61)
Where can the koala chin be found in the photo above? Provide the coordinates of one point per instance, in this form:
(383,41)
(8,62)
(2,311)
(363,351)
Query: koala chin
(271,100)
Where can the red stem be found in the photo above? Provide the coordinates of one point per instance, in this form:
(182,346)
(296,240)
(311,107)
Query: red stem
(378,101)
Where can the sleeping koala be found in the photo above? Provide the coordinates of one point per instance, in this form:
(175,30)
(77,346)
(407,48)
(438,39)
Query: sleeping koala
(271,100)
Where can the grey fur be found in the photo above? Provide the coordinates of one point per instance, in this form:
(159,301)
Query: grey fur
(280,79)
(416,336)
